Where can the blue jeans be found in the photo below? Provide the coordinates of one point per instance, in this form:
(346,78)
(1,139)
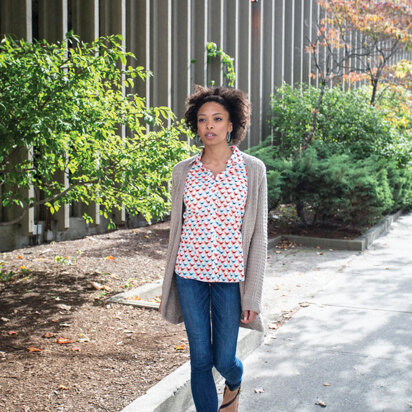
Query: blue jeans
(203,304)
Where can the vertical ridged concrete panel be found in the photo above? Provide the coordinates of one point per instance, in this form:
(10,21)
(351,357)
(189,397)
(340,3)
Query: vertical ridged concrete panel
(138,41)
(256,73)
(181,83)
(85,19)
(268,55)
(314,33)
(161,53)
(307,34)
(85,23)
(199,39)
(244,72)
(231,30)
(298,42)
(352,60)
(279,35)
(360,64)
(16,20)
(289,40)
(346,84)
(322,50)
(53,24)
(112,20)
(53,16)
(215,34)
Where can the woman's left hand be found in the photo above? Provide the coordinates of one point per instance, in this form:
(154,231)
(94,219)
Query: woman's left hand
(248,316)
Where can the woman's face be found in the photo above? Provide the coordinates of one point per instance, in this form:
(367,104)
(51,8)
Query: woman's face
(213,124)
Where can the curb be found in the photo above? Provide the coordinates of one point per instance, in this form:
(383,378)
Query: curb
(173,392)
(359,244)
(144,293)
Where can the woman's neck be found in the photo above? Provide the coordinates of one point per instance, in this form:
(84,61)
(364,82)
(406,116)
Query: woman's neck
(216,155)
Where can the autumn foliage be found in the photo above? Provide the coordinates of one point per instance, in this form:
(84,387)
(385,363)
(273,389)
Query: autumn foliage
(361,40)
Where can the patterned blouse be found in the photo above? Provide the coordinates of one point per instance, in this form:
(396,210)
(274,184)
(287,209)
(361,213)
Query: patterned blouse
(210,247)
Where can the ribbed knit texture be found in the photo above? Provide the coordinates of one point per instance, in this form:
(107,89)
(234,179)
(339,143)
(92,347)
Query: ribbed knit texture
(254,238)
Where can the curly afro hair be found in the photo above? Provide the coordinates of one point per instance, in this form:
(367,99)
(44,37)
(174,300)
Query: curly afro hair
(235,101)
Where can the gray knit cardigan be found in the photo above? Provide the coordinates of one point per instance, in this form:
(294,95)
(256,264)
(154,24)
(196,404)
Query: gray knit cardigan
(254,241)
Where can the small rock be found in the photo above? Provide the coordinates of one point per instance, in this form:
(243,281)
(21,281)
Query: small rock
(321,403)
(259,390)
(64,307)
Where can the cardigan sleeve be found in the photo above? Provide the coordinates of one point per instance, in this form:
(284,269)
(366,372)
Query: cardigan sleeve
(257,254)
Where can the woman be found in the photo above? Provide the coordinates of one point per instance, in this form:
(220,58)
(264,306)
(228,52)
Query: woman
(217,246)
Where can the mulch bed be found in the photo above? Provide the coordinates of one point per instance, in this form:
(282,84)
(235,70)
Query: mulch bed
(63,347)
(113,354)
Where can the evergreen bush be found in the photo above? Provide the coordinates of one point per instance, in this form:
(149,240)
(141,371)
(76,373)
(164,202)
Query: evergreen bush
(356,169)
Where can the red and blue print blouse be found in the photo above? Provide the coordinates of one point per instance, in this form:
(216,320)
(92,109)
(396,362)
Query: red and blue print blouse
(210,247)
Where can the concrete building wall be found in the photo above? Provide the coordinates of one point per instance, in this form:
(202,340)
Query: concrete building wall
(267,39)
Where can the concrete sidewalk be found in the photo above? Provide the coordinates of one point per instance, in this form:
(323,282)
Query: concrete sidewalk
(351,348)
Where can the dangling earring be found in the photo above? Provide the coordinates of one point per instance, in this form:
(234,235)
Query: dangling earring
(228,137)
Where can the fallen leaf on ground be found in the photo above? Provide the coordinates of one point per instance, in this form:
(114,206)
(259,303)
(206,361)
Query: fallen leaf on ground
(304,304)
(326,384)
(63,341)
(96,285)
(33,349)
(12,332)
(109,258)
(259,390)
(276,287)
(321,403)
(4,319)
(63,306)
(273,326)
(19,257)
(180,347)
(48,335)
(63,388)
(84,338)
(76,349)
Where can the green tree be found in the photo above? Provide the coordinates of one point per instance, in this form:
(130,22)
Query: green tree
(64,103)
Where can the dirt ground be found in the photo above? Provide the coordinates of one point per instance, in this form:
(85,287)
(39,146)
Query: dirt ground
(113,354)
(62,347)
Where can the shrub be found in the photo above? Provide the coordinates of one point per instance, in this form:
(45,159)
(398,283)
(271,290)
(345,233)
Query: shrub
(337,187)
(62,107)
(346,120)
(356,168)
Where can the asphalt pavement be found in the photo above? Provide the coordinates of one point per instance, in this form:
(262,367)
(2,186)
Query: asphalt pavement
(349,347)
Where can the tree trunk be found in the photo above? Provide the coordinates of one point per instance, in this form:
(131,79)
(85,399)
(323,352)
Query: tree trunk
(300,211)
(309,137)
